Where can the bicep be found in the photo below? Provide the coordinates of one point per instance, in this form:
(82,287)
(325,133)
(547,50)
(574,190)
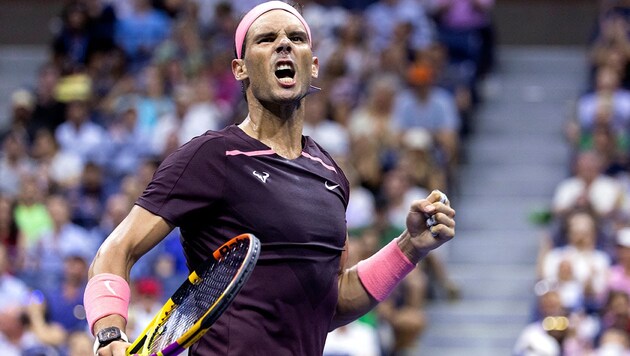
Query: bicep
(139,232)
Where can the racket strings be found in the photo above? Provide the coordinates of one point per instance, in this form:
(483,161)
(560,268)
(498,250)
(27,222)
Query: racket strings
(215,279)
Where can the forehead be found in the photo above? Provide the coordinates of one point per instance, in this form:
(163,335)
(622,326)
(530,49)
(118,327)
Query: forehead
(274,21)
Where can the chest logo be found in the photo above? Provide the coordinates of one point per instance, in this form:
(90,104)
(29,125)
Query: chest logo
(262,176)
(330,187)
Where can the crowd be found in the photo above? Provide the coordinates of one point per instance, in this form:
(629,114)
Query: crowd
(127,82)
(583,287)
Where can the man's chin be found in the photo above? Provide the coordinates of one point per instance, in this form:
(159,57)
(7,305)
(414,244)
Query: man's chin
(287,95)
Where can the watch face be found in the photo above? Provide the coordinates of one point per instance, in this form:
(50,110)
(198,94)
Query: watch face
(109,334)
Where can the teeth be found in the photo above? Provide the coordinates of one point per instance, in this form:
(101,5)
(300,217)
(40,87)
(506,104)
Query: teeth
(284,66)
(285,80)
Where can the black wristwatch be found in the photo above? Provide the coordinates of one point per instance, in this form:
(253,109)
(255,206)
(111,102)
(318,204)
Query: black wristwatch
(108,335)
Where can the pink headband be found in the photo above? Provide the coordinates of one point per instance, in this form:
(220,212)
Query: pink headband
(256,12)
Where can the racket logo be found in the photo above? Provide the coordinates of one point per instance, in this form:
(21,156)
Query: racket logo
(262,176)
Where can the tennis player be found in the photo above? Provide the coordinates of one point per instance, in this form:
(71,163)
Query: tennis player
(262,176)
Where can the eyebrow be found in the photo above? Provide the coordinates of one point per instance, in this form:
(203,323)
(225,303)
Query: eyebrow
(296,32)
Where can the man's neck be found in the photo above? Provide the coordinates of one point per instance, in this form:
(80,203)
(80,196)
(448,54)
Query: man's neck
(279,129)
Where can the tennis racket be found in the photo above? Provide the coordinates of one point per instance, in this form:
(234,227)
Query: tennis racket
(200,300)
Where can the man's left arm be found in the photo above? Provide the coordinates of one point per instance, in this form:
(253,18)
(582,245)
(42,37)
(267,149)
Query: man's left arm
(364,285)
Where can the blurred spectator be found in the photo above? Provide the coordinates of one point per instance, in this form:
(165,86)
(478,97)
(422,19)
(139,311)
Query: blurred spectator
(615,313)
(611,45)
(587,188)
(619,273)
(50,333)
(52,247)
(535,338)
(465,27)
(9,233)
(168,264)
(226,91)
(72,45)
(613,342)
(22,106)
(128,144)
(325,19)
(49,112)
(31,215)
(147,302)
(101,22)
(417,159)
(181,54)
(116,208)
(457,78)
(206,104)
(153,101)
(61,168)
(433,108)
(189,119)
(108,72)
(354,339)
(64,301)
(371,123)
(87,199)
(361,205)
(351,41)
(607,105)
(17,338)
(383,16)
(339,87)
(80,343)
(331,135)
(398,193)
(141,32)
(15,164)
(612,149)
(218,32)
(79,133)
(578,266)
(13,291)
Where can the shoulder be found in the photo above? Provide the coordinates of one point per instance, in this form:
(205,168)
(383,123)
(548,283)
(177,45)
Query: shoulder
(208,142)
(202,151)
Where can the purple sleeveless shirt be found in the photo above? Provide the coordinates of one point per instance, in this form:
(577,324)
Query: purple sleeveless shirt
(226,183)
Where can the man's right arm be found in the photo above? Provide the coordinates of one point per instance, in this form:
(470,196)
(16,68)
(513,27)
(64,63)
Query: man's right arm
(139,232)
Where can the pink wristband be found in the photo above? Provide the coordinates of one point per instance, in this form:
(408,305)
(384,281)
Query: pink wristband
(381,272)
(106,294)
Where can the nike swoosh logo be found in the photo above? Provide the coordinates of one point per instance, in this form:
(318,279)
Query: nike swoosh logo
(109,287)
(330,187)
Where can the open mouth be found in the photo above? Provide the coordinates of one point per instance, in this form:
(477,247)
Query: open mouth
(285,73)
